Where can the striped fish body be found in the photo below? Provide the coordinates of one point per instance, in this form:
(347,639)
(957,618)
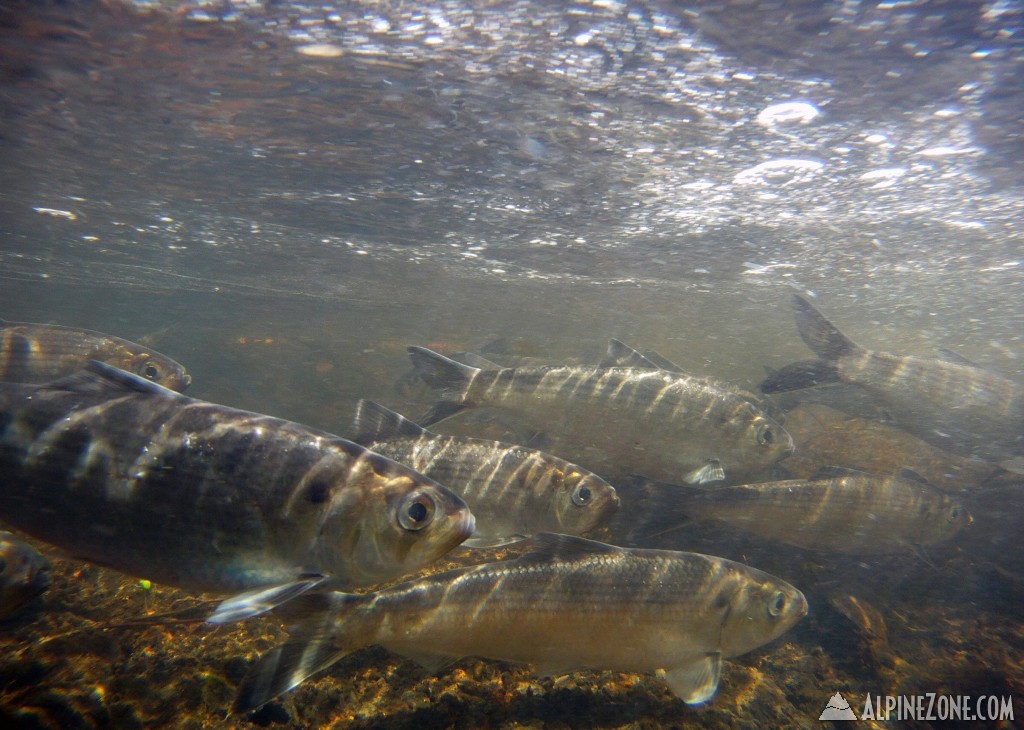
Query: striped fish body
(513,491)
(854,513)
(946,401)
(24,574)
(943,402)
(124,473)
(569,604)
(39,353)
(618,421)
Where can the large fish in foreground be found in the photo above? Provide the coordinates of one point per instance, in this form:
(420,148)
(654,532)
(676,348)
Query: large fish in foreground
(840,511)
(24,574)
(39,353)
(125,473)
(945,401)
(569,604)
(513,491)
(620,420)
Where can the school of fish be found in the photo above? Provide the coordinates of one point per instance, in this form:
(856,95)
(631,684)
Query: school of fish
(103,457)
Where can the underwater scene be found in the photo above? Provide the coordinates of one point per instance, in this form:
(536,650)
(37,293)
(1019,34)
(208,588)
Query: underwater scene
(511,364)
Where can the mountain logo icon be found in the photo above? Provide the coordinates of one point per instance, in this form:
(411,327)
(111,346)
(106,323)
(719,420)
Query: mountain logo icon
(838,709)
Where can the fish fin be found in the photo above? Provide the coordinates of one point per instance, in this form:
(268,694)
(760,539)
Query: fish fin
(836,472)
(442,373)
(429,660)
(374,422)
(713,471)
(819,334)
(663,363)
(98,377)
(910,475)
(480,362)
(950,356)
(621,355)
(283,668)
(440,411)
(492,542)
(261,600)
(799,375)
(697,681)
(1014,465)
(551,545)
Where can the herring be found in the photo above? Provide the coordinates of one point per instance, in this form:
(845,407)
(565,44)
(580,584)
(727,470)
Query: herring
(39,353)
(24,574)
(513,491)
(569,604)
(947,401)
(122,472)
(838,511)
(618,420)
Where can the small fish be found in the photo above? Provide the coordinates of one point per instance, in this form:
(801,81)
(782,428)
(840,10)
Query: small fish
(513,491)
(620,420)
(945,401)
(569,604)
(39,353)
(841,511)
(125,473)
(24,574)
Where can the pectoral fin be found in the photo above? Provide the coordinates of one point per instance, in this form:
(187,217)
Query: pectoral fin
(260,601)
(696,681)
(710,472)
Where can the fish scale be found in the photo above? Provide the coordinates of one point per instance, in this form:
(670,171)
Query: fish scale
(568,604)
(512,490)
(619,421)
(122,472)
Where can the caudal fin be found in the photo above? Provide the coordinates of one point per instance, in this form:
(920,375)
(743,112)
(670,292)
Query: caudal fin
(821,335)
(451,378)
(797,375)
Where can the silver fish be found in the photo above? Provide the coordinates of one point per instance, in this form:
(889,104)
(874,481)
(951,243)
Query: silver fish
(125,473)
(569,604)
(945,401)
(24,574)
(39,353)
(841,511)
(513,491)
(618,421)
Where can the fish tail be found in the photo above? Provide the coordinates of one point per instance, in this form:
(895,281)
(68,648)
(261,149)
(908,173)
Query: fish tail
(821,335)
(449,377)
(797,375)
(315,645)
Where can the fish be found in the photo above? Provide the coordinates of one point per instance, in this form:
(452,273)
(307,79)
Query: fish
(839,511)
(946,401)
(620,420)
(124,473)
(24,574)
(39,353)
(513,491)
(568,604)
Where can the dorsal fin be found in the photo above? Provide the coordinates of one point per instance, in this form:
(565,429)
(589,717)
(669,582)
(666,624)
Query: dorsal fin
(549,546)
(621,355)
(835,472)
(374,422)
(479,361)
(950,356)
(100,378)
(662,362)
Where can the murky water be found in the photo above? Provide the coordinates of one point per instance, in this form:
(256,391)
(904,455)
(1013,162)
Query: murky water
(285,197)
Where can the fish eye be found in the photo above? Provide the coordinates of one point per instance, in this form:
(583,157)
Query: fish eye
(777,603)
(766,436)
(581,496)
(416,513)
(150,370)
